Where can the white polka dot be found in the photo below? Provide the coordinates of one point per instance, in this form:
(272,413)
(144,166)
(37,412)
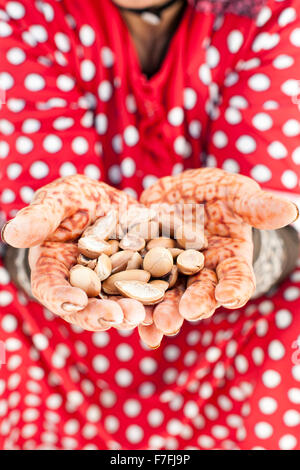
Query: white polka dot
(30,126)
(291,128)
(291,293)
(131,136)
(26,194)
(54,401)
(271,378)
(189,98)
(195,129)
(212,354)
(92,171)
(39,170)
(65,83)
(291,418)
(80,145)
(134,433)
(155,417)
(288,15)
(87,35)
(15,56)
(111,423)
(8,196)
(4,276)
(105,90)
(239,102)
(100,363)
(270,104)
(182,147)
(148,365)
(15,10)
(108,398)
(132,408)
(87,70)
(39,33)
(235,40)
(24,145)
(128,167)
(5,29)
(205,390)
(149,180)
(290,87)
(294,395)
(233,115)
(220,139)
(34,82)
(287,442)
(62,123)
(52,143)
(241,364)
(205,74)
(9,323)
(124,352)
(114,174)
(263,16)
(262,121)
(263,430)
(261,173)
(295,37)
(107,57)
(267,405)
(123,377)
(289,179)
(246,144)
(212,56)
(259,82)
(171,353)
(265,41)
(231,165)
(174,427)
(296,156)
(277,150)
(176,116)
(206,442)
(283,61)
(40,341)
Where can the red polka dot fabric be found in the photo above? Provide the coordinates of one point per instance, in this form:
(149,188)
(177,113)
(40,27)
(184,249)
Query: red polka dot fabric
(76,101)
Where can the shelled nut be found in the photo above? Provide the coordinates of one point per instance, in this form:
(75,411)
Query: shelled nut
(92,247)
(160,284)
(158,261)
(188,238)
(103,267)
(90,263)
(175,252)
(132,242)
(172,276)
(120,260)
(131,275)
(104,227)
(86,279)
(135,261)
(145,293)
(190,262)
(164,242)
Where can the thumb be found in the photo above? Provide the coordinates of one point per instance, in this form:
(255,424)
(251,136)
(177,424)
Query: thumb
(265,210)
(32,225)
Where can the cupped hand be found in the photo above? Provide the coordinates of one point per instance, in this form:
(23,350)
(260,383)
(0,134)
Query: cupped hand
(58,215)
(232,205)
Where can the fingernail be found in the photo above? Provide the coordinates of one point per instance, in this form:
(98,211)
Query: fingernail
(70,308)
(2,231)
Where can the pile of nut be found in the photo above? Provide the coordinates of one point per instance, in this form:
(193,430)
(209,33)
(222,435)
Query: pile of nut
(130,255)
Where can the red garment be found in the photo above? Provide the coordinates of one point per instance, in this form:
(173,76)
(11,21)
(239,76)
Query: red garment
(226,96)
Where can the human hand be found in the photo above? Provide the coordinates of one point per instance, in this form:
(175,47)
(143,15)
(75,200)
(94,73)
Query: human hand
(232,205)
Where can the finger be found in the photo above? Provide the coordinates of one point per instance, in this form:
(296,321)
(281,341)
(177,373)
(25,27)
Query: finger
(265,210)
(236,282)
(50,264)
(134,313)
(51,205)
(198,301)
(98,315)
(166,314)
(148,320)
(150,335)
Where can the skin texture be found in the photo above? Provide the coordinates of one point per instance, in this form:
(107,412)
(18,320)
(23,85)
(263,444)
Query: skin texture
(232,205)
(62,210)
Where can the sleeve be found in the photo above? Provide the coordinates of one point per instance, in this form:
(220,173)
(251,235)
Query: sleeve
(48,122)
(255,127)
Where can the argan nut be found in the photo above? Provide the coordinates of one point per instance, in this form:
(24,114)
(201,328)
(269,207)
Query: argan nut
(190,262)
(147,294)
(146,230)
(135,261)
(158,261)
(172,277)
(131,275)
(90,263)
(132,242)
(104,227)
(103,267)
(164,242)
(188,238)
(120,259)
(86,279)
(92,247)
(175,252)
(160,284)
